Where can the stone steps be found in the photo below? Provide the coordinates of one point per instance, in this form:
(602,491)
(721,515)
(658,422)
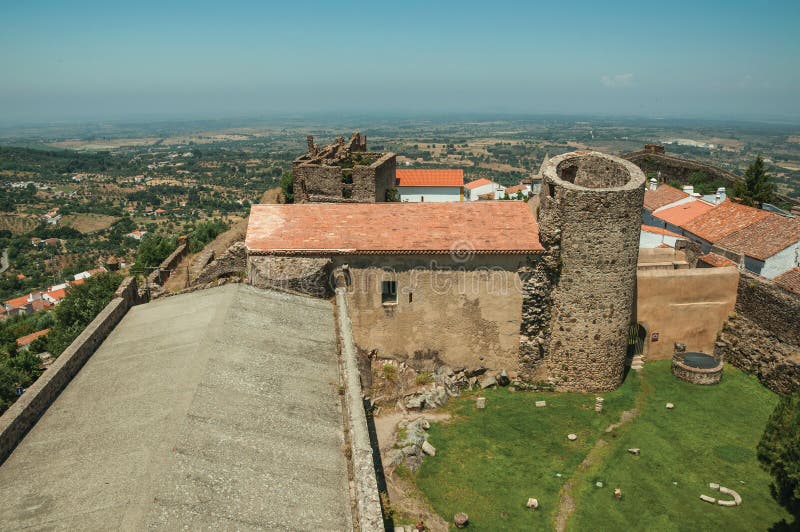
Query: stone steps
(637,364)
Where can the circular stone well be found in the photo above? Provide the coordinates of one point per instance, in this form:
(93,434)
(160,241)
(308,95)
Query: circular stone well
(697,368)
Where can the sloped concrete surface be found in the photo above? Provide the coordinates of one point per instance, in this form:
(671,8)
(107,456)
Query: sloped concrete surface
(216,409)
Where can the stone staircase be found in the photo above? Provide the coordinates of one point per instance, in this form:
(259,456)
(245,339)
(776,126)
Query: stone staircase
(637,363)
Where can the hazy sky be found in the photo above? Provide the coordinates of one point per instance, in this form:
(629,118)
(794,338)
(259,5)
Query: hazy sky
(73,60)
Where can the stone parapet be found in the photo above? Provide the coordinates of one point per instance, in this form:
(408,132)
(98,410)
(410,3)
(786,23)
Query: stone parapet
(25,412)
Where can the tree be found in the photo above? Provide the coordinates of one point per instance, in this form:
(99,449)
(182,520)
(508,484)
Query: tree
(287,185)
(153,249)
(756,187)
(779,453)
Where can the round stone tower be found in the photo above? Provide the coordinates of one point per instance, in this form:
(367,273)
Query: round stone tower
(590,215)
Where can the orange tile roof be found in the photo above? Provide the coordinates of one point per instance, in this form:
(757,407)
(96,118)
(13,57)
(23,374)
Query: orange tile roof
(77,282)
(515,189)
(392,228)
(429,178)
(58,295)
(20,301)
(660,231)
(22,341)
(684,213)
(717,261)
(765,237)
(663,195)
(478,183)
(789,280)
(723,220)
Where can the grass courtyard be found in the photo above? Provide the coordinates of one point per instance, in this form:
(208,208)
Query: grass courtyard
(489,462)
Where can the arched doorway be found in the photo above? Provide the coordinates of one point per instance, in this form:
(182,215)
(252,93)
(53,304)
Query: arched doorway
(636,337)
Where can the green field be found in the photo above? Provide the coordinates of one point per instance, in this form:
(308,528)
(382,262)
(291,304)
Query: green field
(489,462)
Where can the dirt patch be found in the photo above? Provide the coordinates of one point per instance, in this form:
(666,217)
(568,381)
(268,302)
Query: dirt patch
(566,504)
(18,224)
(88,223)
(407,502)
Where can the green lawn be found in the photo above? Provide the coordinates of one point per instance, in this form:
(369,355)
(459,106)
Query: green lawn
(489,462)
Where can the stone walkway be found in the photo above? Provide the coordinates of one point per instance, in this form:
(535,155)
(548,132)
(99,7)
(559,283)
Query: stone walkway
(216,409)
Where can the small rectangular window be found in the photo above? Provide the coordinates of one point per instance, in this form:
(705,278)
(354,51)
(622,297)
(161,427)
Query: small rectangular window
(388,292)
(410,297)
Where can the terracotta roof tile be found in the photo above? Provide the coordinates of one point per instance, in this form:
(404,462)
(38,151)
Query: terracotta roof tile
(429,178)
(515,189)
(392,228)
(17,302)
(478,183)
(684,213)
(22,341)
(716,261)
(765,237)
(723,220)
(789,280)
(660,231)
(663,195)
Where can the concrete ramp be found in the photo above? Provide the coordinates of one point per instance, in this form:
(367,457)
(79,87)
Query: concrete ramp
(216,409)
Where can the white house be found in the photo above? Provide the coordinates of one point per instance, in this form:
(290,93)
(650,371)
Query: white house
(421,185)
(769,246)
(653,237)
(483,189)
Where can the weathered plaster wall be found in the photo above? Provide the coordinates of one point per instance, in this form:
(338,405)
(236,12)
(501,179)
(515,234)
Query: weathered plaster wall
(429,194)
(688,306)
(782,261)
(460,314)
(590,214)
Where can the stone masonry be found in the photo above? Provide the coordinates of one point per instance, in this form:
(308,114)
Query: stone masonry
(343,172)
(589,218)
(763,336)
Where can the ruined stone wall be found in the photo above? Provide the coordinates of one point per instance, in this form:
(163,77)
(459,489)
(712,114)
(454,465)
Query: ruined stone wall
(336,183)
(679,169)
(590,215)
(763,337)
(232,262)
(539,276)
(304,275)
(160,275)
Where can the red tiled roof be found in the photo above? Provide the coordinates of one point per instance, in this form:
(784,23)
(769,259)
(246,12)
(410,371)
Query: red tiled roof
(20,301)
(58,295)
(723,220)
(22,341)
(77,282)
(515,189)
(789,280)
(478,183)
(684,213)
(663,195)
(660,231)
(717,261)
(429,178)
(765,237)
(392,228)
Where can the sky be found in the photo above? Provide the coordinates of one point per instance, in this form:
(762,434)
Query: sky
(74,60)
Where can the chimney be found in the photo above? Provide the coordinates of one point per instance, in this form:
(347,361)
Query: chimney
(689,189)
(653,183)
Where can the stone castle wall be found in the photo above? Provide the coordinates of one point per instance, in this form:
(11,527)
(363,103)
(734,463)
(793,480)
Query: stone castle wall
(341,184)
(590,216)
(232,262)
(763,336)
(26,411)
